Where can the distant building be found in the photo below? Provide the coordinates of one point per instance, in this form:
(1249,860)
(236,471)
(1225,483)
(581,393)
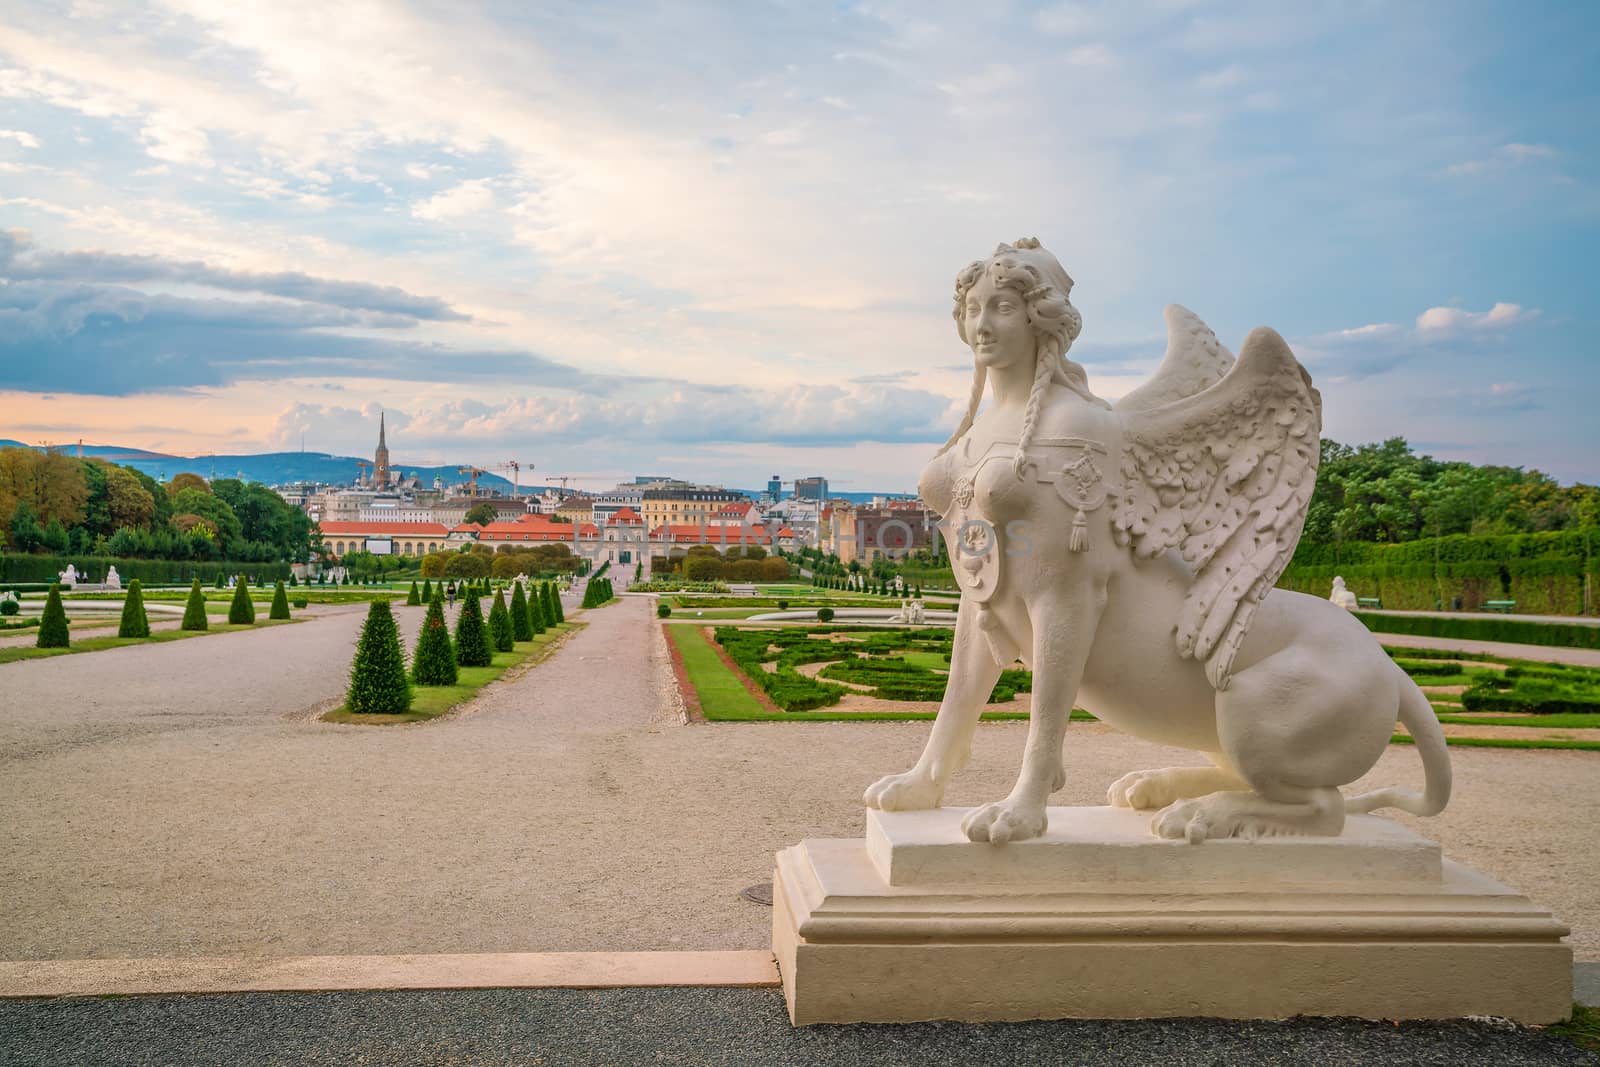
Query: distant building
(811,488)
(380,460)
(679,503)
(383,538)
(774,489)
(869,533)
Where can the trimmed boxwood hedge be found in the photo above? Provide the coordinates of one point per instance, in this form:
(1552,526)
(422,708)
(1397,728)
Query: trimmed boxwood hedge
(1474,628)
(15,567)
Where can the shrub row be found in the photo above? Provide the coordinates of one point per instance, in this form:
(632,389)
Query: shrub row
(41,570)
(1515,631)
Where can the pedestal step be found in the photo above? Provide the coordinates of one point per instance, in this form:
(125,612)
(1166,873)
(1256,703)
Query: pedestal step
(1096,921)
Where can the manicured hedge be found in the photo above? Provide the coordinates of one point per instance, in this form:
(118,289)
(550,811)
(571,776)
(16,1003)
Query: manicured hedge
(15,568)
(1485,628)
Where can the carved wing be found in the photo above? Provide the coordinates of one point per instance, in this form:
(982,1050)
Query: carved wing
(1195,360)
(1225,476)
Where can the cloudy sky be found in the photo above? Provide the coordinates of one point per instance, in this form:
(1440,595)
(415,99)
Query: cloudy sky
(719,240)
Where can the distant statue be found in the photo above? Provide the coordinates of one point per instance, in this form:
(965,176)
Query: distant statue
(1342,596)
(899,586)
(113,579)
(1127,555)
(915,613)
(69,576)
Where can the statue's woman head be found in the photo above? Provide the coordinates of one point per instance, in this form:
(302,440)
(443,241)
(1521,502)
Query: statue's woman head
(1032,277)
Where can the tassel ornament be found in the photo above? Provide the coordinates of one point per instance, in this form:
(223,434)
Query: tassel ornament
(1080,533)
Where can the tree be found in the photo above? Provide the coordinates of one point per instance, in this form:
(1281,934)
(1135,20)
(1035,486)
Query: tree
(472,636)
(500,631)
(242,612)
(378,684)
(481,514)
(280,603)
(414,597)
(194,610)
(557,612)
(128,502)
(521,624)
(186,480)
(26,533)
(427,590)
(135,623)
(547,605)
(53,623)
(702,568)
(433,564)
(466,565)
(538,619)
(435,661)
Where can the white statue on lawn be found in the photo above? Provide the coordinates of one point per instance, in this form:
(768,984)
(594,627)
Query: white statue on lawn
(1342,596)
(1126,554)
(113,579)
(68,576)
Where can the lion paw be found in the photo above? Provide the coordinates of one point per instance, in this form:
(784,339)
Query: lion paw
(1223,815)
(910,791)
(1005,820)
(1143,790)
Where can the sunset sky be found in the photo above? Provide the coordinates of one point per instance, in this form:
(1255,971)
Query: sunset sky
(719,240)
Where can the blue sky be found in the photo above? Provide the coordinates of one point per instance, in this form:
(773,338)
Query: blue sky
(720,239)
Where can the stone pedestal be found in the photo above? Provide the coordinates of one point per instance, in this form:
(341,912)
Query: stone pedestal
(1099,919)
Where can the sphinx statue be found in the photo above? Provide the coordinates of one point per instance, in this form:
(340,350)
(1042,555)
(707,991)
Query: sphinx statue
(1342,596)
(113,579)
(68,576)
(1126,553)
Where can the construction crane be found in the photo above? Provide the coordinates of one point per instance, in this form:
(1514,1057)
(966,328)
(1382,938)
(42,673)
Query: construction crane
(516,469)
(472,478)
(363,463)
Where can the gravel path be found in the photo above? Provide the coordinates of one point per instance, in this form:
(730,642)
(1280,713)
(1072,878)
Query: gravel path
(180,799)
(705,1027)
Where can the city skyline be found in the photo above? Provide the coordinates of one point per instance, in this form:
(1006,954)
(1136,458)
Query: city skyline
(561,239)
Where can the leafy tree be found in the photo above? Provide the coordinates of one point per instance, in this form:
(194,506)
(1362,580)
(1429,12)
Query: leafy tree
(242,612)
(26,533)
(378,684)
(53,623)
(128,502)
(472,636)
(186,480)
(481,514)
(135,623)
(414,597)
(54,538)
(280,603)
(500,624)
(466,565)
(194,610)
(435,660)
(521,625)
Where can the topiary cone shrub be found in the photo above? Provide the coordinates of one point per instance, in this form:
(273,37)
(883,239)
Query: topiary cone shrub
(500,624)
(824,614)
(241,612)
(280,603)
(663,609)
(221,582)
(378,684)
(427,590)
(53,623)
(194,610)
(549,602)
(435,660)
(414,597)
(472,635)
(135,623)
(521,625)
(536,613)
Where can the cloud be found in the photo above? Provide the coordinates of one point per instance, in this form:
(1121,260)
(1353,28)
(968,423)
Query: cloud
(1367,351)
(20,260)
(683,414)
(1438,321)
(116,341)
(469,198)
(1503,158)
(22,137)
(169,137)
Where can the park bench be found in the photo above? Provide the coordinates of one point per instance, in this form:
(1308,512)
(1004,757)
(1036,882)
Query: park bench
(1371,602)
(1505,607)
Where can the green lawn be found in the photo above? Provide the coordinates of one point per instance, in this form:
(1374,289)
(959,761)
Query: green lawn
(432,701)
(722,695)
(1557,721)
(259,594)
(96,644)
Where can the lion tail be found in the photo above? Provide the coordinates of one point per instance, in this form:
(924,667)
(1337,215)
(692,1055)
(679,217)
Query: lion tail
(1417,715)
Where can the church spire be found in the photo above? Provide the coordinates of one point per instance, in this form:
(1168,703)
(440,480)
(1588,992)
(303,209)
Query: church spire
(380,459)
(380,431)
